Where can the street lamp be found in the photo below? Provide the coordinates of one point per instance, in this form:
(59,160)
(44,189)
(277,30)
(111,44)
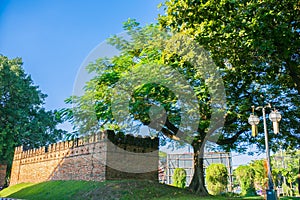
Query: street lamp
(253,120)
(275,117)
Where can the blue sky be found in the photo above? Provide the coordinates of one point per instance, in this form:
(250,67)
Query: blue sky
(54,37)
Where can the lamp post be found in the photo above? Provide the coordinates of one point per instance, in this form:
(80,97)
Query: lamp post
(253,120)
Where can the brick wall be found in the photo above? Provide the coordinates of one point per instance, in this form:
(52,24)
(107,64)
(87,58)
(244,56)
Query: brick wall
(2,174)
(98,157)
(132,157)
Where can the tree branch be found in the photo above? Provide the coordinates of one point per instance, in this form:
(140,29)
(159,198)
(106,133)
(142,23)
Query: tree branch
(231,139)
(294,72)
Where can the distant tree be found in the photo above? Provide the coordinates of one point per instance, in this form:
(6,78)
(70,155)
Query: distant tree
(216,178)
(179,177)
(23,120)
(288,167)
(246,176)
(261,173)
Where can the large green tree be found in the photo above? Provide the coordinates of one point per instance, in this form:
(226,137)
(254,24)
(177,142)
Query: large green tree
(155,95)
(23,120)
(258,41)
(256,44)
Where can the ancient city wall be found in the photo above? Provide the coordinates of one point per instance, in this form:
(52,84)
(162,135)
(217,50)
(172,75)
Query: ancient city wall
(97,157)
(131,157)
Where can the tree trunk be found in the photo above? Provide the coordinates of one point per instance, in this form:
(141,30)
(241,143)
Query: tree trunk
(198,184)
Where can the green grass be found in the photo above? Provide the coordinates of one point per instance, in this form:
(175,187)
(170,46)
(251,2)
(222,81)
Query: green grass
(289,198)
(125,189)
(13,189)
(122,190)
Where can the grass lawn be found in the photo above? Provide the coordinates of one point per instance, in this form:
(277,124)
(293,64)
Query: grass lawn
(123,190)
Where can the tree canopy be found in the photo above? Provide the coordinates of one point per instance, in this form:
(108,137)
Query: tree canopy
(246,34)
(257,44)
(23,120)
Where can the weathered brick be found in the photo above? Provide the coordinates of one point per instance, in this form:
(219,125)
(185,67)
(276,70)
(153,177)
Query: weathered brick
(97,157)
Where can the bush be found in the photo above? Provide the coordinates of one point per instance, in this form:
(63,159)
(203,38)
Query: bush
(179,178)
(245,176)
(216,178)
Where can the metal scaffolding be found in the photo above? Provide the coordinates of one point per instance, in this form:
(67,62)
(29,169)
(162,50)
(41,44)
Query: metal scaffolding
(186,162)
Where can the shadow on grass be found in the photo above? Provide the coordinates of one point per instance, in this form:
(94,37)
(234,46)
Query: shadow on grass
(124,189)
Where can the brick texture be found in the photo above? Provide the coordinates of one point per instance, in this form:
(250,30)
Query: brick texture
(96,157)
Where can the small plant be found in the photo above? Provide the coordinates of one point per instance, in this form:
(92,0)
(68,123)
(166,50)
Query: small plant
(216,178)
(179,177)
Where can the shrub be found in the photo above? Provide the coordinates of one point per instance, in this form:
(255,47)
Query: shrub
(216,178)
(260,173)
(245,176)
(179,177)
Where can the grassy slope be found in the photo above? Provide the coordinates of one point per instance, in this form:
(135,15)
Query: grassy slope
(125,189)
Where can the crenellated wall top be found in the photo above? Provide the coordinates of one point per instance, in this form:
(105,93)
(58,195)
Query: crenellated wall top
(115,138)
